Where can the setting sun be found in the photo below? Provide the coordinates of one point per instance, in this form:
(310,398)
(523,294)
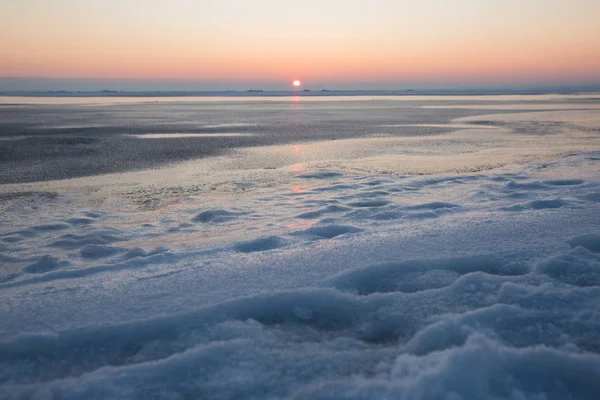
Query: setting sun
(296,83)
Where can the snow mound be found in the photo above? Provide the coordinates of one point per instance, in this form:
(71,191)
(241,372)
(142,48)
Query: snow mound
(261,244)
(320,175)
(327,232)
(215,216)
(589,241)
(45,264)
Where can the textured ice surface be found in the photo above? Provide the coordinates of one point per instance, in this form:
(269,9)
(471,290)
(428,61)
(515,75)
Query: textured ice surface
(308,283)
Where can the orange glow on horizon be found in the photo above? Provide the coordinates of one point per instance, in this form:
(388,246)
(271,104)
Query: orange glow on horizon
(402,42)
(502,62)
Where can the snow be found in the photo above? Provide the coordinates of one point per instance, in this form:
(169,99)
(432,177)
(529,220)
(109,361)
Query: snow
(314,279)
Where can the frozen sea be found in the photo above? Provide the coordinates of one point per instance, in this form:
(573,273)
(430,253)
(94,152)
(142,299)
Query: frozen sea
(360,247)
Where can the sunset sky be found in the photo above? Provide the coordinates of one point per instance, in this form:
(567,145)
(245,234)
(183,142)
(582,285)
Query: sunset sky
(234,43)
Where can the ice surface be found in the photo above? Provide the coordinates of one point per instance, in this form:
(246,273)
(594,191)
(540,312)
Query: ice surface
(312,280)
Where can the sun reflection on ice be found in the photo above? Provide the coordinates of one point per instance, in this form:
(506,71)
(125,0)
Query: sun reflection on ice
(298,189)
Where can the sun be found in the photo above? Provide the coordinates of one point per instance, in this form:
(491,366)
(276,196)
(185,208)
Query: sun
(296,83)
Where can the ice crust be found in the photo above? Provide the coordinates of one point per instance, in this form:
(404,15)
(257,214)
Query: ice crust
(516,318)
(330,284)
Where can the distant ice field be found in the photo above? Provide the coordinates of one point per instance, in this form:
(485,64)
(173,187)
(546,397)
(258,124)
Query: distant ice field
(372,248)
(48,140)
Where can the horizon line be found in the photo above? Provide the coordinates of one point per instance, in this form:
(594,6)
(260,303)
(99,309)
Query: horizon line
(587,89)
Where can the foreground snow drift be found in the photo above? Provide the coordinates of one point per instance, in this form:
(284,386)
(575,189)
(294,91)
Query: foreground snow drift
(319,281)
(449,328)
(370,294)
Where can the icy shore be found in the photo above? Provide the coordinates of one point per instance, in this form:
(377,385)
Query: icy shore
(334,278)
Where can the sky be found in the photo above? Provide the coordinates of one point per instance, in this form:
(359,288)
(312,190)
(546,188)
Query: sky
(236,44)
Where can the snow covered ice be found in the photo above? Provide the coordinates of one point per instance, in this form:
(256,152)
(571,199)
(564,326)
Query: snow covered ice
(456,258)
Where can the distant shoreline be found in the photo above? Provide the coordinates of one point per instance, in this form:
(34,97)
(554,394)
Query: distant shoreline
(311,93)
